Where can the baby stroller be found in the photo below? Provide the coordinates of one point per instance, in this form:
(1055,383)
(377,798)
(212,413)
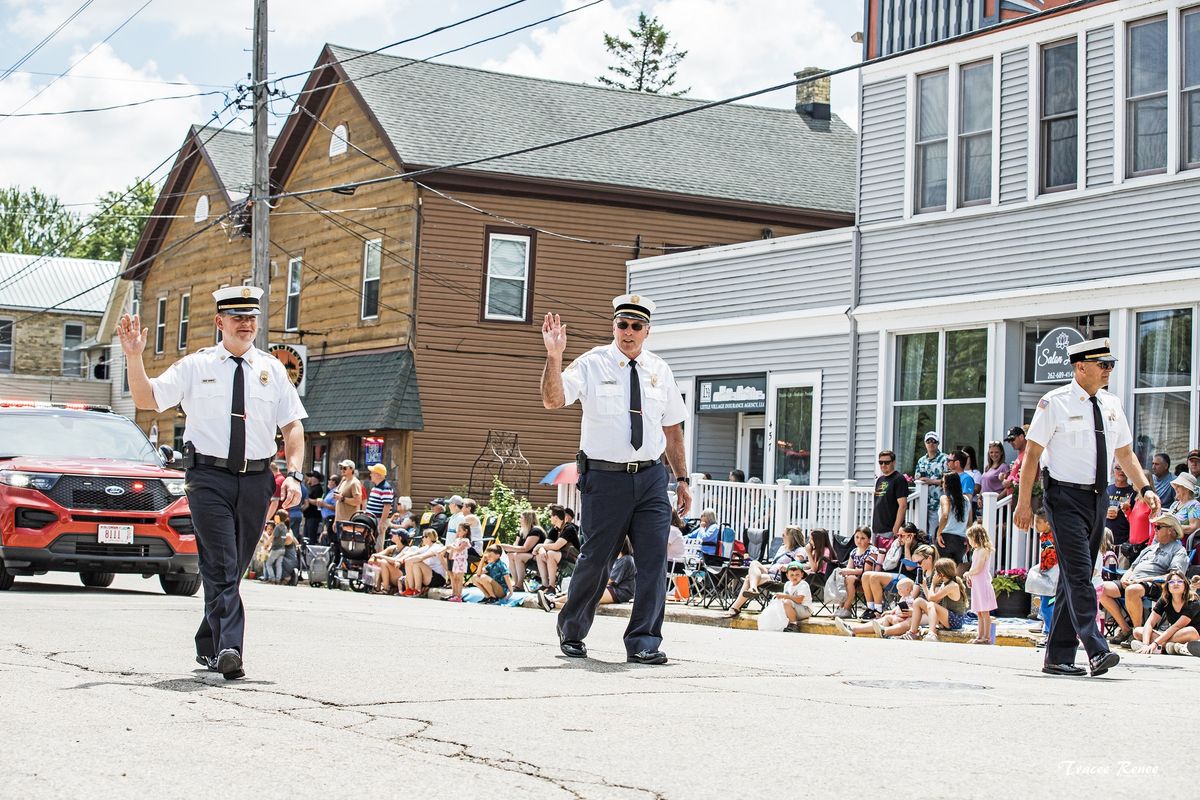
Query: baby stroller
(356,540)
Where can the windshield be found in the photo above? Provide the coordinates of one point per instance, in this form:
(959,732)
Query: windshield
(98,435)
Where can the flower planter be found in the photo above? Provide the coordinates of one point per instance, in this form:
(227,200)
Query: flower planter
(1012,604)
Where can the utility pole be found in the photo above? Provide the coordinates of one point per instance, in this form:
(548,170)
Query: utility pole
(261,230)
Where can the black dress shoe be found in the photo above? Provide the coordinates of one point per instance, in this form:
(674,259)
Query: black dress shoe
(1064,669)
(208,662)
(648,657)
(573,649)
(1103,663)
(229,664)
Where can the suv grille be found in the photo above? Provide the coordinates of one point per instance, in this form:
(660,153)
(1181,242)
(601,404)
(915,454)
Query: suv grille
(86,491)
(86,545)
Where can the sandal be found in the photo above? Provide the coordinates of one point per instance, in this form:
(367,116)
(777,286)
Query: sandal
(907,636)
(733,612)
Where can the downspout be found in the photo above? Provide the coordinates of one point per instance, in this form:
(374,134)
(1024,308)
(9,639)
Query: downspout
(852,361)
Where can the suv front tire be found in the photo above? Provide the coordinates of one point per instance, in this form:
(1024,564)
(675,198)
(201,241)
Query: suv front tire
(180,585)
(99,580)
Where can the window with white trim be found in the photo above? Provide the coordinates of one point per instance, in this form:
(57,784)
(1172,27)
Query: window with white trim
(507,280)
(339,140)
(1162,391)
(291,311)
(185,310)
(1146,98)
(941,385)
(1190,138)
(933,116)
(6,345)
(1059,116)
(72,358)
(372,258)
(201,212)
(975,134)
(160,326)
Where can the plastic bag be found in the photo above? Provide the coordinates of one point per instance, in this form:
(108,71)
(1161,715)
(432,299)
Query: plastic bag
(773,617)
(835,588)
(1042,582)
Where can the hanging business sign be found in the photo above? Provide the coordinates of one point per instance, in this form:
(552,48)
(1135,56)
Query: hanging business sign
(731,394)
(1051,364)
(294,358)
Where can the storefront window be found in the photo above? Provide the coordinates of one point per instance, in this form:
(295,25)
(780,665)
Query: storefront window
(1162,393)
(793,434)
(941,385)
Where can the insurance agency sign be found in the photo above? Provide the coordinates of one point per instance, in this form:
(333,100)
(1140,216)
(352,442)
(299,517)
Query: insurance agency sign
(731,394)
(1051,364)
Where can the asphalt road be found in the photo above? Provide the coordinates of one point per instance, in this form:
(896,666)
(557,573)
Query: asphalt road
(351,695)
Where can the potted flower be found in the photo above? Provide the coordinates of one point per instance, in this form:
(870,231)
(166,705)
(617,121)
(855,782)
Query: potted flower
(1011,598)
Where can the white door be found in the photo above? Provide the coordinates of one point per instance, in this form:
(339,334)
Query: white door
(793,426)
(752,437)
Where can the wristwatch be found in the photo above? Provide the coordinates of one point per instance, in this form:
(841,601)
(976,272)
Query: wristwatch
(684,479)
(297,476)
(1145,490)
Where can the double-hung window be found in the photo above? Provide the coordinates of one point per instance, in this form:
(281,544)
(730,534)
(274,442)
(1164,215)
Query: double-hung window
(506,282)
(1146,98)
(160,326)
(372,258)
(291,311)
(933,116)
(1162,393)
(975,134)
(185,312)
(1060,116)
(6,345)
(1190,139)
(72,359)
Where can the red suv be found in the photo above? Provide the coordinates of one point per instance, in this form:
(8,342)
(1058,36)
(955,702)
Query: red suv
(83,490)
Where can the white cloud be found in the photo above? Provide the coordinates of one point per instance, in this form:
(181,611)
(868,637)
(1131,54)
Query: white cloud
(80,156)
(731,49)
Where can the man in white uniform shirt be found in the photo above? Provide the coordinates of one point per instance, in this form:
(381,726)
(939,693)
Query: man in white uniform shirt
(1076,432)
(632,414)
(235,397)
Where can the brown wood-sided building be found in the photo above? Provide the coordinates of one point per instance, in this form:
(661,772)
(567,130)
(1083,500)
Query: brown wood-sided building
(420,301)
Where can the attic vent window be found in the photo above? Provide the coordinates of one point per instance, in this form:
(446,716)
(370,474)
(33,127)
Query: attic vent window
(201,209)
(338,141)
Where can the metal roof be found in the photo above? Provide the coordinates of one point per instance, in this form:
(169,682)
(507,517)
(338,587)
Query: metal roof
(440,114)
(77,285)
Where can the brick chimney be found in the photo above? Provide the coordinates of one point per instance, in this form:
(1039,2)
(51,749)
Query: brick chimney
(812,97)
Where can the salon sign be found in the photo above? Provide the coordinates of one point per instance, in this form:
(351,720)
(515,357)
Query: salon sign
(1051,363)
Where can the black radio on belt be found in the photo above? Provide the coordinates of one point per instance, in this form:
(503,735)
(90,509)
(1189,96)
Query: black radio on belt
(581,462)
(189,455)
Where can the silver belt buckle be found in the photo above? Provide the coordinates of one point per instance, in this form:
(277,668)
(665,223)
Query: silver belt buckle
(631,467)
(245,466)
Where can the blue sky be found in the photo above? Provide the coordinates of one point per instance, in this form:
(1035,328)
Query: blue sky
(177,47)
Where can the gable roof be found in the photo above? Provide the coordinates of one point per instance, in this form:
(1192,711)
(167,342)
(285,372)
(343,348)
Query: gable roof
(231,157)
(80,285)
(383,386)
(434,114)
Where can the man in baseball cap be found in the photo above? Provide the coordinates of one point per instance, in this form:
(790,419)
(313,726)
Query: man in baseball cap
(929,471)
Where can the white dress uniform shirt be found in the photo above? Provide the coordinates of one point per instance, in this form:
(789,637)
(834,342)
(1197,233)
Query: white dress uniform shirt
(599,380)
(1064,425)
(203,383)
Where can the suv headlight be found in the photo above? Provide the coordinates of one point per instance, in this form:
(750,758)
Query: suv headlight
(175,487)
(41,481)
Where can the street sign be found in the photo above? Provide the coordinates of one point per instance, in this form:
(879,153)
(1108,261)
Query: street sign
(1051,364)
(294,358)
(731,394)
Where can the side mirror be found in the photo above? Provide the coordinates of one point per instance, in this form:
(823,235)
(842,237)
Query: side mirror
(169,455)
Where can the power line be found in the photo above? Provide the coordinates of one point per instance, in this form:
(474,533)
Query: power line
(76,77)
(70,111)
(81,59)
(46,40)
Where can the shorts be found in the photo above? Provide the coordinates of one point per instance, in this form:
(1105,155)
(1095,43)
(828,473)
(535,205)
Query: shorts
(954,620)
(803,612)
(620,595)
(955,549)
(437,581)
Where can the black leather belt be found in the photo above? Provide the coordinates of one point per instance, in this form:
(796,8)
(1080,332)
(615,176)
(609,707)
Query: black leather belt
(632,467)
(258,465)
(1084,487)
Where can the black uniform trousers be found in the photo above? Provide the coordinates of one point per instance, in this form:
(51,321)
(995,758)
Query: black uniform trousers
(228,512)
(616,505)
(1076,519)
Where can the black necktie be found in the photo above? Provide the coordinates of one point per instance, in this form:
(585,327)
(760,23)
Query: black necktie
(635,406)
(237,418)
(1101,447)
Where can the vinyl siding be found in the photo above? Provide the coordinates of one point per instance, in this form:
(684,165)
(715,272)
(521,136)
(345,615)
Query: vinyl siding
(1100,122)
(800,276)
(824,354)
(716,444)
(1116,233)
(868,403)
(1014,125)
(881,165)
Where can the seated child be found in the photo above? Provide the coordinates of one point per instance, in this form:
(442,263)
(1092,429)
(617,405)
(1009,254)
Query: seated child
(493,577)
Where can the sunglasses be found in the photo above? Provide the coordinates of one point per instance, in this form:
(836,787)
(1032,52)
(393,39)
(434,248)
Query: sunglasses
(623,325)
(1106,367)
(1175,582)
(885,463)
(1164,528)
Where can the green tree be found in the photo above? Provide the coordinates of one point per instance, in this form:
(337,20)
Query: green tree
(646,62)
(35,223)
(112,230)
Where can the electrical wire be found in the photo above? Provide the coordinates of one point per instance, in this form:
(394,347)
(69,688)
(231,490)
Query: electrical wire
(81,59)
(76,77)
(16,65)
(115,107)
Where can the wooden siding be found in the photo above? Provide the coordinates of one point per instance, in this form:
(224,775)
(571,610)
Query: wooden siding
(474,375)
(881,163)
(1100,122)
(1014,125)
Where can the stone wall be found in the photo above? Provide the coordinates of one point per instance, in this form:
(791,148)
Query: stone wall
(38,339)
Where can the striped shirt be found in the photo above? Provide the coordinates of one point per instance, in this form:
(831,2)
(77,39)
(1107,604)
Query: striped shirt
(381,498)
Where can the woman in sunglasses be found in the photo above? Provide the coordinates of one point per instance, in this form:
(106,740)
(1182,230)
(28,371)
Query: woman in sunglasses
(1173,620)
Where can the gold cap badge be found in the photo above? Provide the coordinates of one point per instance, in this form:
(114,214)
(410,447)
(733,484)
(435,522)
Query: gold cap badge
(635,299)
(246,292)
